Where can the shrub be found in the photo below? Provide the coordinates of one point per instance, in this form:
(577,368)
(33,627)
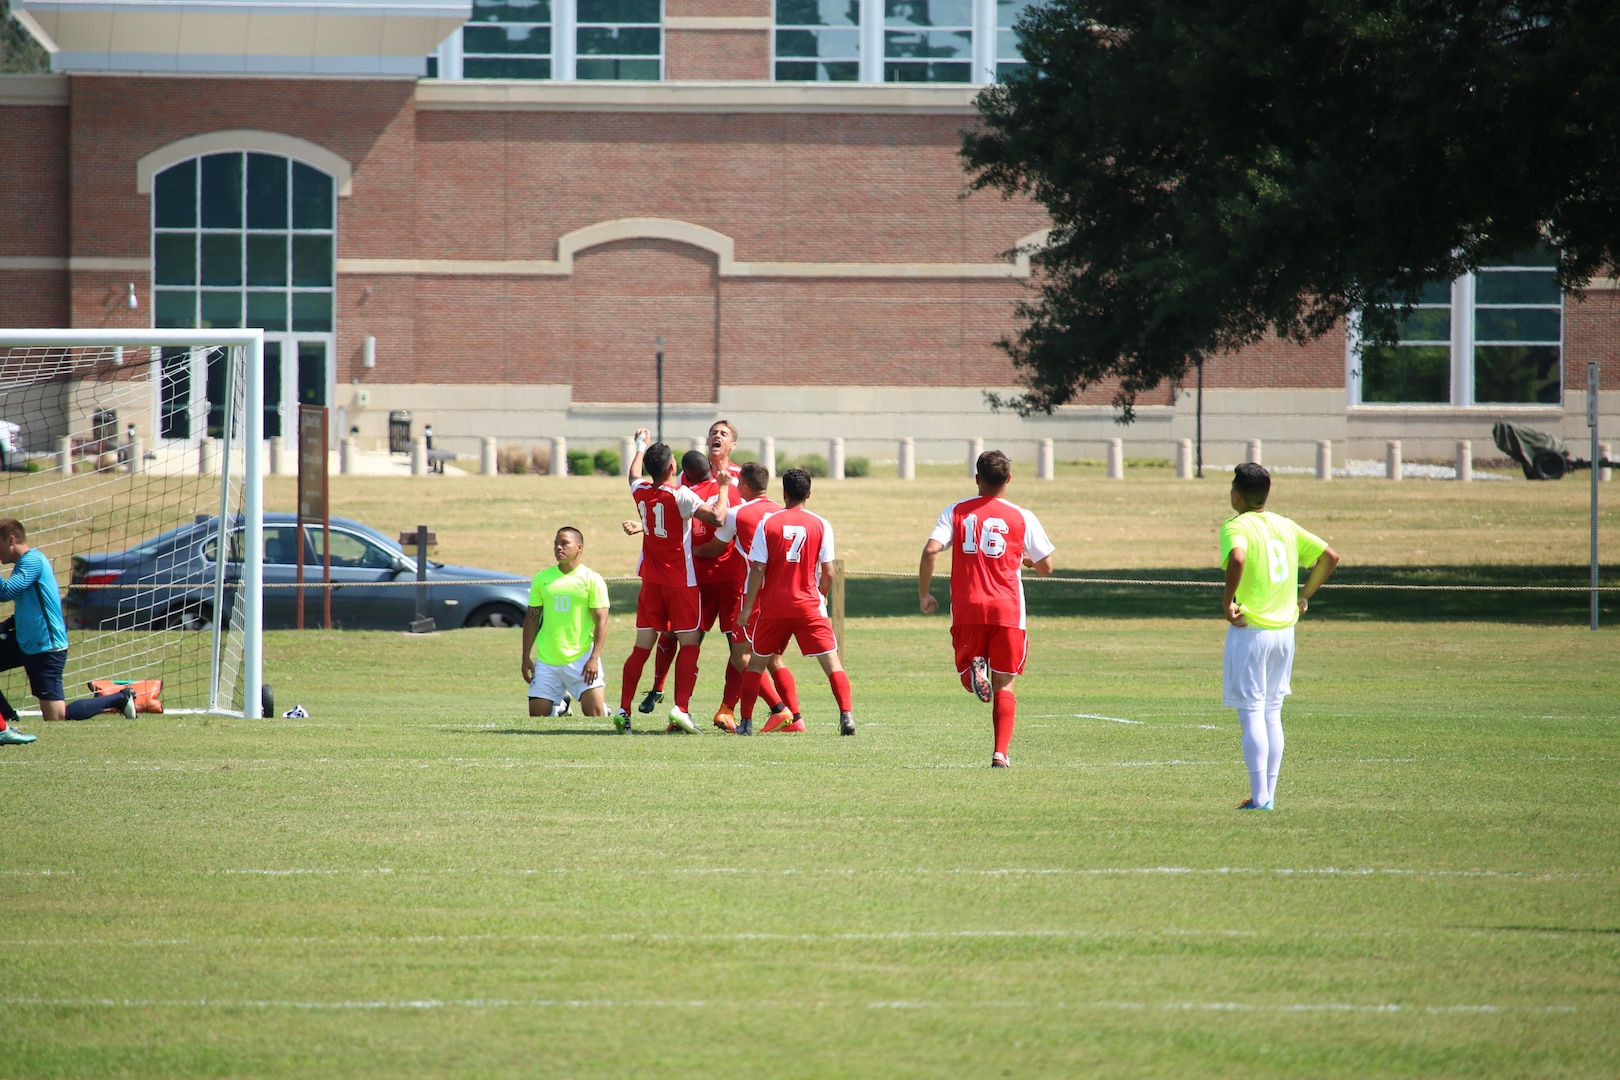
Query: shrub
(857,466)
(743,457)
(608,463)
(581,463)
(540,459)
(814,464)
(33,467)
(512,459)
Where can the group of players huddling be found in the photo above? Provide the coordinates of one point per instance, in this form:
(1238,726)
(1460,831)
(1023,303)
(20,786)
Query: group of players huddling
(715,549)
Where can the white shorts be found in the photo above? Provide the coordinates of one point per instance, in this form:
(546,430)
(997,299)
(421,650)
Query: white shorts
(551,681)
(1257,665)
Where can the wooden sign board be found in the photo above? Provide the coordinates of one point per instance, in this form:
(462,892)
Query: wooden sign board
(313,502)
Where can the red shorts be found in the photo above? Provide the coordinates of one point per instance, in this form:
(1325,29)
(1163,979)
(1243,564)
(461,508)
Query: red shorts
(1006,647)
(813,633)
(667,607)
(720,600)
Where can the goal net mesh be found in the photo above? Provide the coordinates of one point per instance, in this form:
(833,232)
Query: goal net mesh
(126,467)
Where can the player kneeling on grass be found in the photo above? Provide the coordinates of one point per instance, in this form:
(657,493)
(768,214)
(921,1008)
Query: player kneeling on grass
(790,571)
(567,620)
(1262,553)
(990,540)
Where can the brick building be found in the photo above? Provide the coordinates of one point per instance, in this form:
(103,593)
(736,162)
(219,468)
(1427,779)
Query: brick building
(492,225)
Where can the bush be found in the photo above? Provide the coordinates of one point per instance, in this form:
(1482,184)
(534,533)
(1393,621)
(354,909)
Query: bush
(743,457)
(581,463)
(608,463)
(512,459)
(540,459)
(814,464)
(857,466)
(33,467)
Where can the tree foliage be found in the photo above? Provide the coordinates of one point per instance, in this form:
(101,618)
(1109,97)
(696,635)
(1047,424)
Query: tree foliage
(1221,170)
(19,52)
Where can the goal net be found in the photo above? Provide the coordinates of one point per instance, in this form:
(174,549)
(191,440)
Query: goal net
(133,460)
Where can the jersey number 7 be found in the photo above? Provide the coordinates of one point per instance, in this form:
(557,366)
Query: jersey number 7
(795,535)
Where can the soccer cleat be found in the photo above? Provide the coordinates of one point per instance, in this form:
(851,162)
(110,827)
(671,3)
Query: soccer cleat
(12,737)
(129,705)
(621,722)
(679,719)
(725,719)
(780,720)
(1250,804)
(797,725)
(745,726)
(979,672)
(998,760)
(650,702)
(846,724)
(562,708)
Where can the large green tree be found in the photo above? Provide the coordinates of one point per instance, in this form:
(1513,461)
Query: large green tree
(19,52)
(1221,170)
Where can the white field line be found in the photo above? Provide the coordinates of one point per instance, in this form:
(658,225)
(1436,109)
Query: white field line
(625,937)
(1112,719)
(730,1005)
(698,871)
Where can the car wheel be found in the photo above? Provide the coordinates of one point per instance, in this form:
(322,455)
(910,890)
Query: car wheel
(502,615)
(199,617)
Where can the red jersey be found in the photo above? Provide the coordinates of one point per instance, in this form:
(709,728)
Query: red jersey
(988,538)
(666,533)
(792,544)
(741,522)
(726,566)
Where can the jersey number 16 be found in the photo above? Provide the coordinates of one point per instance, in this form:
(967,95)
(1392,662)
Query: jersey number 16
(992,539)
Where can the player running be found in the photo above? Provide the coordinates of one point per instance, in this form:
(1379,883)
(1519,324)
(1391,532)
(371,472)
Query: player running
(789,547)
(736,536)
(1261,553)
(990,539)
(669,596)
(567,618)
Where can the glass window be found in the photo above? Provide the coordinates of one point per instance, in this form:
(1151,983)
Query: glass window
(352,551)
(1008,57)
(507,39)
(928,41)
(619,39)
(818,40)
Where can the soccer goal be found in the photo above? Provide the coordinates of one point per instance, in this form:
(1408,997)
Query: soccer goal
(133,459)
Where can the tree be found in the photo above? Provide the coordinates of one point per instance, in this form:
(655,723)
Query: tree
(19,52)
(1219,170)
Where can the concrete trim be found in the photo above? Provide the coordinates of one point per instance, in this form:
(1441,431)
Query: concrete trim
(268,142)
(33,89)
(696,97)
(718,22)
(33,262)
(75,262)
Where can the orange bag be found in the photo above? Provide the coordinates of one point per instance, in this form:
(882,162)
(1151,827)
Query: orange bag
(148,692)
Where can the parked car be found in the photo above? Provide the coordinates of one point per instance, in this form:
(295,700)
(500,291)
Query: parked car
(178,570)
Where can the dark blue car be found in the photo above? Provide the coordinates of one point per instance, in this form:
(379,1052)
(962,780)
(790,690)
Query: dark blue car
(177,574)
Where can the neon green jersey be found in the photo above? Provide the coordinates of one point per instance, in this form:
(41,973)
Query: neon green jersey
(567,630)
(1274,550)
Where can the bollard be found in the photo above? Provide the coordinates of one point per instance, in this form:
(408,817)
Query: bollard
(698,443)
(975,448)
(767,453)
(348,455)
(1465,460)
(278,456)
(627,452)
(137,456)
(64,456)
(486,456)
(1184,459)
(908,458)
(1116,459)
(1603,453)
(835,459)
(206,456)
(559,456)
(419,456)
(1045,468)
(1392,460)
(1324,459)
(1253,452)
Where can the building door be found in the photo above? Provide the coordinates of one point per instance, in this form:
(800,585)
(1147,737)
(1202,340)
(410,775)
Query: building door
(297,371)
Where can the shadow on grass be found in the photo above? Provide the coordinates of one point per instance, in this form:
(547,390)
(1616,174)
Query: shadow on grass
(1058,596)
(607,730)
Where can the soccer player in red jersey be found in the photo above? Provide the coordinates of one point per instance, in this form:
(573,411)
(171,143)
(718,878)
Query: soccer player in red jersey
(734,539)
(669,596)
(789,574)
(990,539)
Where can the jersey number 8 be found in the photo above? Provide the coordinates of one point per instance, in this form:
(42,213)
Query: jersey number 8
(1277,560)
(992,539)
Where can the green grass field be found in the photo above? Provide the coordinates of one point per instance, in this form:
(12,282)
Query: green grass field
(419,880)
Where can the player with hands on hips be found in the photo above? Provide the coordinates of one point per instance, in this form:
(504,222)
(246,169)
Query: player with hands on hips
(567,619)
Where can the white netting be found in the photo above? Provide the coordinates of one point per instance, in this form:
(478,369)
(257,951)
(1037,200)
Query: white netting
(122,463)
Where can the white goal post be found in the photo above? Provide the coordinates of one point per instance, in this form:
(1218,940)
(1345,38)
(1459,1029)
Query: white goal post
(50,381)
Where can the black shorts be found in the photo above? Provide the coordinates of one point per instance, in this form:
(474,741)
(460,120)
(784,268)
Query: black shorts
(44,669)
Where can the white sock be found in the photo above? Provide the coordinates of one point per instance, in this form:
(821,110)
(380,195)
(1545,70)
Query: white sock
(1255,752)
(1274,750)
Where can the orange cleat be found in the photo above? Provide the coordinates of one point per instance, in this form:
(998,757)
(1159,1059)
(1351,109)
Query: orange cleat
(726,720)
(797,725)
(780,720)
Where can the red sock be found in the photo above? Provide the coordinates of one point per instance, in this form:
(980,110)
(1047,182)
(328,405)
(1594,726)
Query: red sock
(728,697)
(686,671)
(633,665)
(840,687)
(767,691)
(1002,713)
(790,690)
(750,692)
(666,657)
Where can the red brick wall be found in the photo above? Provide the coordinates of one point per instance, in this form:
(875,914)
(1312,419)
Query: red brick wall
(1276,363)
(1592,333)
(33,212)
(717,54)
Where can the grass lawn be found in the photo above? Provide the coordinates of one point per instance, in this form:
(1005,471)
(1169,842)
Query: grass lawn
(419,880)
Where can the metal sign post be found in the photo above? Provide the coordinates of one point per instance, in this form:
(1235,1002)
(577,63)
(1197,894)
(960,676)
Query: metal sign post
(1592,422)
(313,503)
(421,536)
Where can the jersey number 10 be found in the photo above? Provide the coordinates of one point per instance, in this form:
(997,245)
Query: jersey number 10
(992,539)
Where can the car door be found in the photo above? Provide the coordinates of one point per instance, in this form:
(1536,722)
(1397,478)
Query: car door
(359,564)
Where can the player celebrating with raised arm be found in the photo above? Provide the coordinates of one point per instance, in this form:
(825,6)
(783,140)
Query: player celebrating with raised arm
(1261,553)
(669,597)
(568,615)
(990,540)
(789,548)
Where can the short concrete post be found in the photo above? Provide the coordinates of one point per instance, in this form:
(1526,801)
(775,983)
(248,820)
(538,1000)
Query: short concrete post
(835,458)
(1604,453)
(1324,459)
(908,458)
(1184,459)
(1465,460)
(419,456)
(278,456)
(975,448)
(698,443)
(559,455)
(767,453)
(1252,452)
(348,455)
(137,455)
(1116,459)
(1392,459)
(486,456)
(627,453)
(64,456)
(1045,466)
(207,457)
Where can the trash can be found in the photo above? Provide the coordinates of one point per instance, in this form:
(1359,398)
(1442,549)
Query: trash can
(399,431)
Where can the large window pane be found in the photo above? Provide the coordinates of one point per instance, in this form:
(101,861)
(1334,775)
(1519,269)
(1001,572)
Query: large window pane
(1526,374)
(174,392)
(600,68)
(267,260)
(221,310)
(831,44)
(960,72)
(799,71)
(943,44)
(1008,11)
(1517,324)
(1539,255)
(511,11)
(175,309)
(222,259)
(818,13)
(951,13)
(174,259)
(174,197)
(312,198)
(222,191)
(618,11)
(266,192)
(505,67)
(1426,324)
(312,311)
(1397,373)
(267,310)
(1517,287)
(619,40)
(312,261)
(533,40)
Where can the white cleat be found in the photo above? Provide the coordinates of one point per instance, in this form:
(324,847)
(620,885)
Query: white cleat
(679,718)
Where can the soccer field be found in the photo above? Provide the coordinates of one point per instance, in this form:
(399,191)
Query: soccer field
(419,880)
